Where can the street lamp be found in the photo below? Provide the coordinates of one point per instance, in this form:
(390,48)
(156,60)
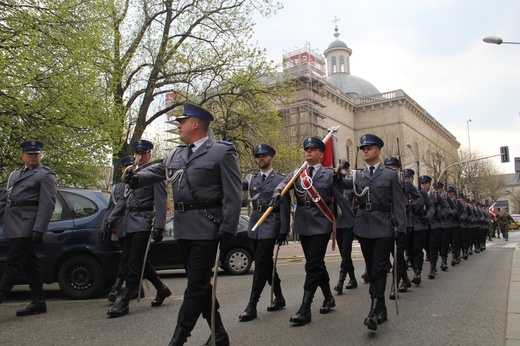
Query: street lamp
(469,142)
(496,40)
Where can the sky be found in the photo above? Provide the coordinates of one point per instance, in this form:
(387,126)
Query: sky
(431,49)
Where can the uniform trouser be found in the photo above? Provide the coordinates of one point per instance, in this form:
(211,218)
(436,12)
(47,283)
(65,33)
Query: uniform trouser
(435,244)
(456,241)
(263,256)
(445,241)
(465,239)
(427,243)
(314,247)
(377,259)
(504,229)
(122,270)
(401,264)
(135,247)
(198,258)
(417,240)
(345,238)
(21,257)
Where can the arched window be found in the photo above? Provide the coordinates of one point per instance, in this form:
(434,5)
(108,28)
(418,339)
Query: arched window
(334,67)
(342,63)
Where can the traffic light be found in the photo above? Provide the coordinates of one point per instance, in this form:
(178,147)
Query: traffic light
(504,154)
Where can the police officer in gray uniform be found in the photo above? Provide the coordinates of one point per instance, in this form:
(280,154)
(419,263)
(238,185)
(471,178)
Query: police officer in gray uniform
(27,205)
(142,208)
(118,191)
(313,225)
(207,190)
(274,229)
(379,219)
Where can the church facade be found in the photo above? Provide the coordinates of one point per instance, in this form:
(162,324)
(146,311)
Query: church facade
(328,95)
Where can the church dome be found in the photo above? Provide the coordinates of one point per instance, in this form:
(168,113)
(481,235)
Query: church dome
(351,85)
(337,44)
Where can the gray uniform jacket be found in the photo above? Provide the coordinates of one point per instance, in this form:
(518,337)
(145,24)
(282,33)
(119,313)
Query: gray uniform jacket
(452,211)
(28,202)
(211,174)
(441,210)
(142,208)
(308,219)
(387,213)
(415,201)
(346,217)
(260,192)
(420,218)
(117,193)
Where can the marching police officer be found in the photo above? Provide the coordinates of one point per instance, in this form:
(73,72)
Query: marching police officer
(207,190)
(379,219)
(144,211)
(118,191)
(274,229)
(413,202)
(314,224)
(345,237)
(456,234)
(27,206)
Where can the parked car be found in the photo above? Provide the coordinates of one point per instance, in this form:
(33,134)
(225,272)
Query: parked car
(71,253)
(236,254)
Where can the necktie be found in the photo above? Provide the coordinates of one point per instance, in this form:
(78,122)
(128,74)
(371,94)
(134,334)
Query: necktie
(24,169)
(263,178)
(190,149)
(310,171)
(372,171)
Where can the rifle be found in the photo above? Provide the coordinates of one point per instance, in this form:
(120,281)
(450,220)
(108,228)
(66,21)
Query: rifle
(291,182)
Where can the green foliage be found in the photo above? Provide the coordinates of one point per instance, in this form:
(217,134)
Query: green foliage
(51,87)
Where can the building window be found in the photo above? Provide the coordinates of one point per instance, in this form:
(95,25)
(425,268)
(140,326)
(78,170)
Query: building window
(342,63)
(334,68)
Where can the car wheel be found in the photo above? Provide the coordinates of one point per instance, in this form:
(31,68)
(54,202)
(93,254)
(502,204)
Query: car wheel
(237,261)
(81,277)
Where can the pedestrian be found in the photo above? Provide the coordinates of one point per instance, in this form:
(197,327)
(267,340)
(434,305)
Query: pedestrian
(345,238)
(314,190)
(144,212)
(207,191)
(27,205)
(273,230)
(379,220)
(118,191)
(503,222)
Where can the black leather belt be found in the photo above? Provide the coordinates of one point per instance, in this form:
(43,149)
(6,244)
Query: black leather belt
(262,208)
(182,206)
(11,203)
(372,207)
(309,204)
(151,208)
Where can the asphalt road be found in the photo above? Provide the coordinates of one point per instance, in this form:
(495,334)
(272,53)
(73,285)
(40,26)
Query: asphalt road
(466,305)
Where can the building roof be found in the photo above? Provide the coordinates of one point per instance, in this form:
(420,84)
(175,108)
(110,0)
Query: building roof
(351,85)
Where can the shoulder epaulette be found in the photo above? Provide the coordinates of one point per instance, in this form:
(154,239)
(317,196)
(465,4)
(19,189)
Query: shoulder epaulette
(224,142)
(283,175)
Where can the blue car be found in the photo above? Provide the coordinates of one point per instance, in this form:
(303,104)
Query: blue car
(72,253)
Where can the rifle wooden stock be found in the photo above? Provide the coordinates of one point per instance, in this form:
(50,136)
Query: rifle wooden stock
(290,183)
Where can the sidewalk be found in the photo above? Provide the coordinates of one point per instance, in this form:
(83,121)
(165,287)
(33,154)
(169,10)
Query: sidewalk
(294,252)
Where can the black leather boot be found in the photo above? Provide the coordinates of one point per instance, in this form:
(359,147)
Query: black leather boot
(250,311)
(382,313)
(417,277)
(114,292)
(329,301)
(36,307)
(352,283)
(135,293)
(392,295)
(180,336)
(444,264)
(365,277)
(221,336)
(162,293)
(121,308)
(405,285)
(3,296)
(371,320)
(433,271)
(303,316)
(339,286)
(279,301)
